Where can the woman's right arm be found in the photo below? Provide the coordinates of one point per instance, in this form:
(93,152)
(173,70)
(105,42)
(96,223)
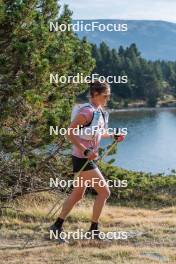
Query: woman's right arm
(78,121)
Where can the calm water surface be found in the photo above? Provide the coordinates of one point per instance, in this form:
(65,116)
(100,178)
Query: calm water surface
(150,145)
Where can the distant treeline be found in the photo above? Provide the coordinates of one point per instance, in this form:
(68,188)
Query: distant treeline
(147,80)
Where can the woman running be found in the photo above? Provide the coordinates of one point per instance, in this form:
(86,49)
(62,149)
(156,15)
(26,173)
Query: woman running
(85,149)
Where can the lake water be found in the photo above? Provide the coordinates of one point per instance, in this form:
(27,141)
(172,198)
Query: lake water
(150,145)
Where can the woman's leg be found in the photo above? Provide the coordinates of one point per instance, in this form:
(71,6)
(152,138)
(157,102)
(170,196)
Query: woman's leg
(103,194)
(98,182)
(76,195)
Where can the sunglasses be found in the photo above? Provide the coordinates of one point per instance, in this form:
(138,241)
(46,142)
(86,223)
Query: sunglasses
(106,95)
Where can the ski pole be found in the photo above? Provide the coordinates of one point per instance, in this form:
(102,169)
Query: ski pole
(78,173)
(54,206)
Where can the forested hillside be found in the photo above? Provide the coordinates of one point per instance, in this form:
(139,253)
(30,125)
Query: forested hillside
(155,39)
(147,80)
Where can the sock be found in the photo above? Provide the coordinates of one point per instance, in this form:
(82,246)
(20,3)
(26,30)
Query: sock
(94,226)
(59,222)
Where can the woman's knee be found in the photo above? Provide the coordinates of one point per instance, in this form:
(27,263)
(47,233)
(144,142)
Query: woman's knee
(105,193)
(78,195)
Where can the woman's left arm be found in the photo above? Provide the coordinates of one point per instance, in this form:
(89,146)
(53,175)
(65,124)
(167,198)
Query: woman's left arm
(118,138)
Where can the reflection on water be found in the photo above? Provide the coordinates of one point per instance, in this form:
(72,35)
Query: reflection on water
(151,141)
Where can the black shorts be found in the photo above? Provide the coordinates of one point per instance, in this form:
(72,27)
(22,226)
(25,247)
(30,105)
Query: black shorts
(78,163)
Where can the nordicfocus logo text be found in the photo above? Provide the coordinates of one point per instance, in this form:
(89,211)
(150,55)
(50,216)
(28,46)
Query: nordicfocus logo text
(80,78)
(81,26)
(89,131)
(80,234)
(81,182)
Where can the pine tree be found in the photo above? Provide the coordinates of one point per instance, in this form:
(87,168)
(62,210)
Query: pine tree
(29,103)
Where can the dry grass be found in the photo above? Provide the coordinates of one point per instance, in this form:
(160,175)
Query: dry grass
(90,254)
(156,245)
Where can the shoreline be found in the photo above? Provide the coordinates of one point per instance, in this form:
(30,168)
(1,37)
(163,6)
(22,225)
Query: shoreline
(170,172)
(128,109)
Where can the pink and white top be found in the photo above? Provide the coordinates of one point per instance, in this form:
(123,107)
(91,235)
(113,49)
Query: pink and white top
(87,112)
